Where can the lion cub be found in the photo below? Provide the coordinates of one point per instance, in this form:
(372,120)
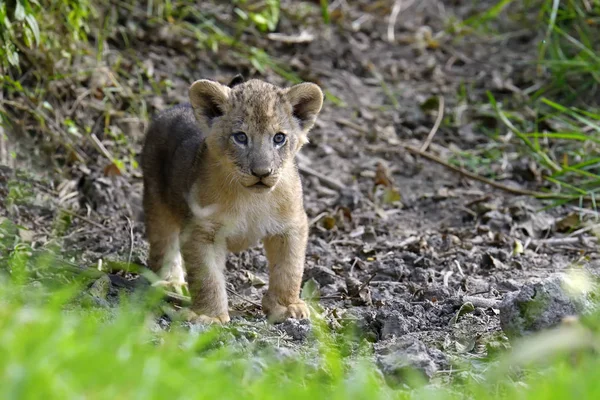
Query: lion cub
(219,175)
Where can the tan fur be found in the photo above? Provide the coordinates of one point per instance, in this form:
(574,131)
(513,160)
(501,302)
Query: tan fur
(199,197)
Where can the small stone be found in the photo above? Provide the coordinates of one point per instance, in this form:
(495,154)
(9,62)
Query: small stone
(538,306)
(398,358)
(324,276)
(296,329)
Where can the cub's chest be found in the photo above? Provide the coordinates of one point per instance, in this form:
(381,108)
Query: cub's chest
(248,222)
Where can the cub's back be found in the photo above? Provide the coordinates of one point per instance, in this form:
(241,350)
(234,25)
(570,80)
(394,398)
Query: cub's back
(173,141)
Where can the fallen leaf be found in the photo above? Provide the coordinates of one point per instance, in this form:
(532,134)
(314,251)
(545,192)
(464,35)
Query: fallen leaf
(466,345)
(464,309)
(328,222)
(310,290)
(112,170)
(489,262)
(391,196)
(568,223)
(255,281)
(382,176)
(518,247)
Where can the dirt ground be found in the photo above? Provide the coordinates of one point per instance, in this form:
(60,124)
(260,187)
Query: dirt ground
(396,242)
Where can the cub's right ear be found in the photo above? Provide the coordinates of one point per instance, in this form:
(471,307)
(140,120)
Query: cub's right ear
(209,100)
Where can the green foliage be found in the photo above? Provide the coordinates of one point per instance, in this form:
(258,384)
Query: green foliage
(570,50)
(56,343)
(561,132)
(265,19)
(27,24)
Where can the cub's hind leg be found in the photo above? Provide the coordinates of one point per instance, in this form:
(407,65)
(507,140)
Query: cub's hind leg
(162,230)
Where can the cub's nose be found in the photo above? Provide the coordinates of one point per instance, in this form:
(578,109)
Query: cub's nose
(261,172)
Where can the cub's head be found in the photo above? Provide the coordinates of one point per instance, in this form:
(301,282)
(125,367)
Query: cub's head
(255,128)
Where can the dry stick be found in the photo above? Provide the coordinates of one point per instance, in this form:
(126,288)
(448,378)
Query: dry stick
(100,147)
(437,124)
(244,298)
(480,301)
(392,21)
(176,298)
(497,185)
(364,285)
(89,221)
(352,125)
(329,182)
(563,241)
(131,240)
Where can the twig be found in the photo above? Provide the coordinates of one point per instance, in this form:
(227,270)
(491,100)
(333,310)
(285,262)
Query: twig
(584,230)
(244,298)
(78,101)
(364,285)
(460,270)
(178,299)
(317,218)
(408,241)
(392,21)
(352,125)
(131,241)
(55,128)
(327,181)
(438,122)
(497,185)
(447,276)
(100,147)
(480,301)
(89,221)
(563,241)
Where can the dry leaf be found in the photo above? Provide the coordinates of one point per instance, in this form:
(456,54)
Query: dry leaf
(382,176)
(328,222)
(391,196)
(568,223)
(26,235)
(112,170)
(518,247)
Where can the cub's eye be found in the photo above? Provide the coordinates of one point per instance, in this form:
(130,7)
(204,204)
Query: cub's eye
(240,137)
(279,138)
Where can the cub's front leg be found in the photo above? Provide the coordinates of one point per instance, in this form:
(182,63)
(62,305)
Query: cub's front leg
(204,255)
(286,254)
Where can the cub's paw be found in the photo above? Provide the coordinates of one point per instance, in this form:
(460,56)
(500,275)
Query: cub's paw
(190,316)
(172,286)
(278,313)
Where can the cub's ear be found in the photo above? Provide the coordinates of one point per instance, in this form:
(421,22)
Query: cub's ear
(209,99)
(306,100)
(236,80)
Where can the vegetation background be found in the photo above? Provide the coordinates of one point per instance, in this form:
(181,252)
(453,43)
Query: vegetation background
(76,91)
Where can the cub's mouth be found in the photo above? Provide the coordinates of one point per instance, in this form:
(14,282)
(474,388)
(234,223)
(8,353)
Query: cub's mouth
(260,185)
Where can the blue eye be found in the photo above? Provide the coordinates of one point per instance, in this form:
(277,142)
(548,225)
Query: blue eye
(240,137)
(279,138)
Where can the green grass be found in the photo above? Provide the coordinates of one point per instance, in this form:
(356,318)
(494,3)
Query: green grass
(56,344)
(47,49)
(557,123)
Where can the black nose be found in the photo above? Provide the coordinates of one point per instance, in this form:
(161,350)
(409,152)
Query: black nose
(261,172)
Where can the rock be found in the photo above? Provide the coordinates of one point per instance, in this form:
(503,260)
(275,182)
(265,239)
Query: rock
(349,198)
(538,306)
(324,276)
(395,325)
(399,358)
(296,329)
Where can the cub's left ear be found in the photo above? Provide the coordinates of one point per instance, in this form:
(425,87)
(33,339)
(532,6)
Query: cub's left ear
(209,100)
(306,100)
